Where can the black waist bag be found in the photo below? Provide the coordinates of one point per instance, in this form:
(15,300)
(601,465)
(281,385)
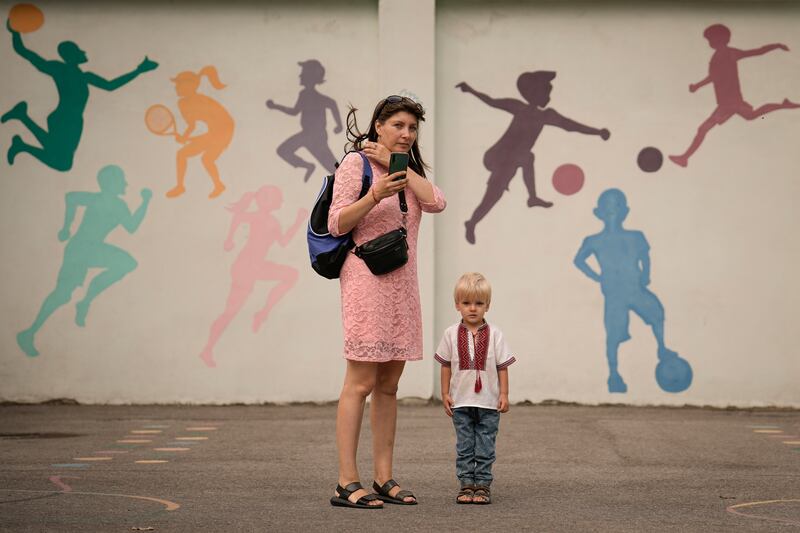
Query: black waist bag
(389,251)
(385,253)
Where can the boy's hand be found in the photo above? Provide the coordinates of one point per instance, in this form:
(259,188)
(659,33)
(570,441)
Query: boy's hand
(502,405)
(448,404)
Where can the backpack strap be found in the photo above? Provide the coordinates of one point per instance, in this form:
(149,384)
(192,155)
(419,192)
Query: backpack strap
(366,175)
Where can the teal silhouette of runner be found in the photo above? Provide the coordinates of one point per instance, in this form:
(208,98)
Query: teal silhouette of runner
(65,124)
(104,211)
(624,259)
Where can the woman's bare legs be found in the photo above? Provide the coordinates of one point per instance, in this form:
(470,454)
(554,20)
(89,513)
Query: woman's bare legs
(383,417)
(359,382)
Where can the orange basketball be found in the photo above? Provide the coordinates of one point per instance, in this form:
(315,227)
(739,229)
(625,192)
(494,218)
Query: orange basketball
(25,18)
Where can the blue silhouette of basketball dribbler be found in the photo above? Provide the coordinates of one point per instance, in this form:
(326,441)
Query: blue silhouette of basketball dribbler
(674,374)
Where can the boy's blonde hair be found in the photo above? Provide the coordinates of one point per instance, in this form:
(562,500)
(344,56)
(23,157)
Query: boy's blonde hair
(473,285)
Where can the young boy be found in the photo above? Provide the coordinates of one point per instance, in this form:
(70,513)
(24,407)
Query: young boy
(475,360)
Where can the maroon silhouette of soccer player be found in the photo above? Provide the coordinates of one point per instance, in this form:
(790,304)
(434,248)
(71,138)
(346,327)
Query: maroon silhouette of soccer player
(723,73)
(513,150)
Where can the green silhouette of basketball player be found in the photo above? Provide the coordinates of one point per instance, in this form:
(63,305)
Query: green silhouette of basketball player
(104,211)
(65,124)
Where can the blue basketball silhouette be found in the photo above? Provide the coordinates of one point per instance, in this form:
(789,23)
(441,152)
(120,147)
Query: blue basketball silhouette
(674,374)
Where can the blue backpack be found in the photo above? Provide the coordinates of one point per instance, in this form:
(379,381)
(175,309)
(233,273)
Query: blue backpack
(327,252)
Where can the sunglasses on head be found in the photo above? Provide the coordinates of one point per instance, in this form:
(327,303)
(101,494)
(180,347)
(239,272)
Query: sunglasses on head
(396,99)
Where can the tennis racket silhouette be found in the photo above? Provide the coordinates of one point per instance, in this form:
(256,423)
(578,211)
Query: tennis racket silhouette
(160,120)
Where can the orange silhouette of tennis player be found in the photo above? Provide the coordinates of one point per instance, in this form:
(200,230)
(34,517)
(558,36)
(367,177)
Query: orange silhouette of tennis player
(195,107)
(250,266)
(723,73)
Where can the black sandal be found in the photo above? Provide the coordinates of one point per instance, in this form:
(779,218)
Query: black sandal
(399,499)
(467,490)
(482,491)
(343,494)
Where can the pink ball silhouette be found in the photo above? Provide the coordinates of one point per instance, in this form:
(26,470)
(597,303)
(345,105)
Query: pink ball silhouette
(568,179)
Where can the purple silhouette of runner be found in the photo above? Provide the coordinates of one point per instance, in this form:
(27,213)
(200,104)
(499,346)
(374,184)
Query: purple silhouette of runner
(514,149)
(723,73)
(312,106)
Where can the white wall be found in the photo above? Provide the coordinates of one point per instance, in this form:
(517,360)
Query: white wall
(722,248)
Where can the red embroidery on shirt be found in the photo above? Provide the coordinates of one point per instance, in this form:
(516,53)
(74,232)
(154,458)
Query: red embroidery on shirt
(481,342)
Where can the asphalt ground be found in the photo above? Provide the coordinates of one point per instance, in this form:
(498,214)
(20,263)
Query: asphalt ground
(273,468)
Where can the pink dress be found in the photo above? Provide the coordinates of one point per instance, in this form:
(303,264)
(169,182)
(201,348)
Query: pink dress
(381,315)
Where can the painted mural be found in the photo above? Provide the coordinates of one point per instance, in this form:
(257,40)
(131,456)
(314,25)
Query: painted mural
(59,141)
(513,151)
(624,259)
(103,212)
(251,265)
(723,75)
(197,107)
(312,106)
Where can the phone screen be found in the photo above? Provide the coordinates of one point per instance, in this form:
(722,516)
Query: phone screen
(398,161)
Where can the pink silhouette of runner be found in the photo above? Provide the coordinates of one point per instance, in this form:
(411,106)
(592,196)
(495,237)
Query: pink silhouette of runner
(723,73)
(250,266)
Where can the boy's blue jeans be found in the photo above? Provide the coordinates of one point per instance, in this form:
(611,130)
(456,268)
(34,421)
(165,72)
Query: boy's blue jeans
(476,432)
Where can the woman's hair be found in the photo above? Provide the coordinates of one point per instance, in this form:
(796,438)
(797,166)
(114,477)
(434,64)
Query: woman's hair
(385,109)
(473,285)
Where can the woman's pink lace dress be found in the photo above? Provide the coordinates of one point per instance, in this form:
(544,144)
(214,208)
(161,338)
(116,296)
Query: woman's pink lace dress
(381,315)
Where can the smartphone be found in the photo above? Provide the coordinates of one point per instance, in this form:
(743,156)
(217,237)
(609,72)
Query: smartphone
(398,162)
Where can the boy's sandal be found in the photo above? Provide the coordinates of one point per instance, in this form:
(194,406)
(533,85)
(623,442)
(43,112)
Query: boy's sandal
(465,492)
(482,495)
(399,498)
(343,494)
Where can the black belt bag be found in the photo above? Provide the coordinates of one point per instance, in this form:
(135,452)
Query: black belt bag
(389,251)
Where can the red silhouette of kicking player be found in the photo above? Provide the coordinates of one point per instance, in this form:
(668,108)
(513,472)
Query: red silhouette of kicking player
(723,73)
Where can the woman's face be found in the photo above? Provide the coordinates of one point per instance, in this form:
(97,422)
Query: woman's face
(399,132)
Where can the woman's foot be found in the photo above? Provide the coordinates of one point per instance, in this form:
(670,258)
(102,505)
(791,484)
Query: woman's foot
(392,493)
(354,495)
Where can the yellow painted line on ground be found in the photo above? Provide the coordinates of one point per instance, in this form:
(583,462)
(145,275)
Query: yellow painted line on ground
(767,431)
(92,458)
(150,461)
(145,431)
(134,441)
(191,438)
(206,428)
(172,449)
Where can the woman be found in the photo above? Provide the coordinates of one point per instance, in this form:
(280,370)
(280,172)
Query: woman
(381,314)
(196,107)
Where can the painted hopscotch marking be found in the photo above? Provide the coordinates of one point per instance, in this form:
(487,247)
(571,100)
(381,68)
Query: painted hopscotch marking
(733,509)
(169,506)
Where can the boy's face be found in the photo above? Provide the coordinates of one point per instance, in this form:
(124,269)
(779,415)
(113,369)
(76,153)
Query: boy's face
(472,310)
